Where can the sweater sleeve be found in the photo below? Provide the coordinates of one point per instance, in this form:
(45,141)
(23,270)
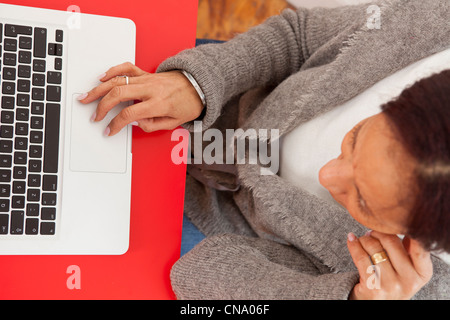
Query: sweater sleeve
(230,267)
(265,55)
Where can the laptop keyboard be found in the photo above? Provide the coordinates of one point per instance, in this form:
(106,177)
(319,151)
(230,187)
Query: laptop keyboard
(31,81)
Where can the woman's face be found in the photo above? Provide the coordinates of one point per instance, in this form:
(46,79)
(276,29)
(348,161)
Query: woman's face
(370,177)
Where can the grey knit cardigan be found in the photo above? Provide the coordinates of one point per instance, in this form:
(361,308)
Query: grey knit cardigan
(267,239)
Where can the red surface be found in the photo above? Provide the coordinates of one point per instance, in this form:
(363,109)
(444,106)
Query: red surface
(163,29)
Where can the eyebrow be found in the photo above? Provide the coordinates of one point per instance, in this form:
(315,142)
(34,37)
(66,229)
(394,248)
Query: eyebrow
(360,198)
(355,135)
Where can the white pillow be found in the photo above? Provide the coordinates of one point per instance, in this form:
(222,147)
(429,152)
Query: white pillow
(307,148)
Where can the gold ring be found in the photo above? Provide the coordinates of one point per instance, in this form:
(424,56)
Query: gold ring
(379,257)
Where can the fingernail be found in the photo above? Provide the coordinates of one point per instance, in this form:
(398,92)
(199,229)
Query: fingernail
(100,77)
(82,96)
(93,117)
(107,131)
(134,123)
(351,237)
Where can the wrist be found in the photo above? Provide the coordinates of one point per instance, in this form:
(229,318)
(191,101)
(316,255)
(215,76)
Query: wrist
(196,87)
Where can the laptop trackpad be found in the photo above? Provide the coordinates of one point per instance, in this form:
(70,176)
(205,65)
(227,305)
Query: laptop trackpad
(90,150)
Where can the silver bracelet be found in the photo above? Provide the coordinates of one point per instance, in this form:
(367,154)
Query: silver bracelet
(196,86)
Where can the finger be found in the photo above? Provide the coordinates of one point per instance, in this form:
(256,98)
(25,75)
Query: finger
(156,124)
(372,245)
(124,69)
(393,245)
(137,112)
(105,87)
(421,259)
(115,96)
(359,256)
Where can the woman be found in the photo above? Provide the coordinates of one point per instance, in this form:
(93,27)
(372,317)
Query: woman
(267,238)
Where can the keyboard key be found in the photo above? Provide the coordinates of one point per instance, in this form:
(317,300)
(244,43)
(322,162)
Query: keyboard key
(23,100)
(35,151)
(10,45)
(21,129)
(17,220)
(59,36)
(6,146)
(5,160)
(5,175)
(38,94)
(49,199)
(5,190)
(34,180)
(36,136)
(40,42)
(31,226)
(54,93)
(9,59)
(4,223)
(12,30)
(39,65)
(33,209)
(9,73)
(49,183)
(19,187)
(54,77)
(19,172)
(8,87)
(21,143)
(25,57)
(6,131)
(48,213)
(37,108)
(51,140)
(58,64)
(23,85)
(37,123)
(8,102)
(22,114)
(52,49)
(47,228)
(59,50)
(33,195)
(4,205)
(24,71)
(7,117)
(20,157)
(39,79)
(25,42)
(18,202)
(35,166)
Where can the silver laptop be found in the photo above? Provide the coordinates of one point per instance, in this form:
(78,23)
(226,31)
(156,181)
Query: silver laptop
(64,187)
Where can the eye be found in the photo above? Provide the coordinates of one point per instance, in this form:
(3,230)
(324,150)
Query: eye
(361,204)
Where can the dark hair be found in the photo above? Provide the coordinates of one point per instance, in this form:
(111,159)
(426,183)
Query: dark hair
(420,119)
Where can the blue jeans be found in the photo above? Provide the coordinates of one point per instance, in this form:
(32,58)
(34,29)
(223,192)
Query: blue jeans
(190,236)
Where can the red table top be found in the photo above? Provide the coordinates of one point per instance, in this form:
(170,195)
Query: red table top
(163,29)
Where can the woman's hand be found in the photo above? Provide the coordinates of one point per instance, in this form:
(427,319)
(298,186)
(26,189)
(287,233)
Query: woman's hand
(406,271)
(165,100)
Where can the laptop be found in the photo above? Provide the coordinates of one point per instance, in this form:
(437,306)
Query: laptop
(65,188)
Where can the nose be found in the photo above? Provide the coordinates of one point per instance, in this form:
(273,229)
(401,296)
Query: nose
(336,176)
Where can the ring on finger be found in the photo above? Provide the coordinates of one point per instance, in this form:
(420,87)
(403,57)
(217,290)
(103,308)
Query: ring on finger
(127,79)
(379,257)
